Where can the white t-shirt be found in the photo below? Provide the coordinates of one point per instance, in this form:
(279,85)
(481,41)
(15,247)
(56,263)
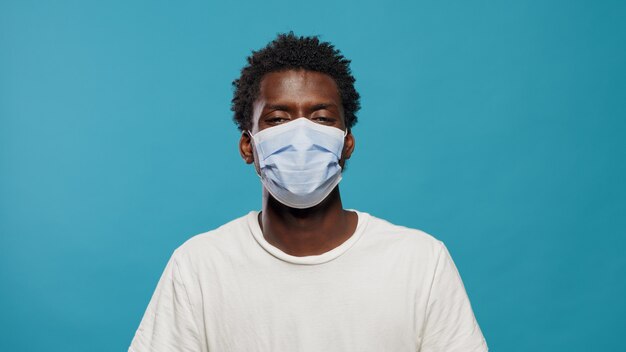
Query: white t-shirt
(386,288)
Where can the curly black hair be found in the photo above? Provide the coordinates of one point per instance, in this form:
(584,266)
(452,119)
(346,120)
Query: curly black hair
(289,51)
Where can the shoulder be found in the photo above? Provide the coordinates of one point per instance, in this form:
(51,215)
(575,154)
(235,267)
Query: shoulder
(383,234)
(227,238)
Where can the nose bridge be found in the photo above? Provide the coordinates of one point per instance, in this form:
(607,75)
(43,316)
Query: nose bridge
(303,106)
(300,115)
(300,135)
(300,111)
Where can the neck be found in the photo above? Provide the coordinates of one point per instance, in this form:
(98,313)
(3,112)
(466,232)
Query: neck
(304,232)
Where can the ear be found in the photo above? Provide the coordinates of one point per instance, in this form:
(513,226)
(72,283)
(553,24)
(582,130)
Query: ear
(245,147)
(348,147)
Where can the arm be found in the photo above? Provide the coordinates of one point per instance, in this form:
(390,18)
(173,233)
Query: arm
(450,323)
(168,323)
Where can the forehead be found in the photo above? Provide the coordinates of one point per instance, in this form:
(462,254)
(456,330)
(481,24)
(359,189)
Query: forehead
(298,85)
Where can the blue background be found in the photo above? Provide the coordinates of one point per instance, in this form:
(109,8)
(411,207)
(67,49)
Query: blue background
(498,127)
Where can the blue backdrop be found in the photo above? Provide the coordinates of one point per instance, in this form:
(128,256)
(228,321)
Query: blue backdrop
(498,127)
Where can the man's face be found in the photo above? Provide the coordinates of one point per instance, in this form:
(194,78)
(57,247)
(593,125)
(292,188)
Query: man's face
(288,95)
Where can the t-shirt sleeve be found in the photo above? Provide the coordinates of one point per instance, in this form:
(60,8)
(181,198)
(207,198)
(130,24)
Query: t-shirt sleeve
(168,324)
(450,324)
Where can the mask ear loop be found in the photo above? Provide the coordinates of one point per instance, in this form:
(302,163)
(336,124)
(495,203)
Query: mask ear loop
(345,134)
(257,172)
(253,141)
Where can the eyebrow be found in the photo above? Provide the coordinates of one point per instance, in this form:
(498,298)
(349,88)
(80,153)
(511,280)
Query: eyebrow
(281,107)
(274,107)
(323,106)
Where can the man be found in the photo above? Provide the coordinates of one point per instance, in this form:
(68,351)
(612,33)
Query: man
(304,274)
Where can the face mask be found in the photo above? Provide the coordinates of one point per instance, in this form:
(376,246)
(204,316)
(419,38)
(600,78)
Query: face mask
(299,161)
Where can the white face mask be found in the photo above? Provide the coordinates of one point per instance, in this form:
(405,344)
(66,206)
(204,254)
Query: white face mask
(299,161)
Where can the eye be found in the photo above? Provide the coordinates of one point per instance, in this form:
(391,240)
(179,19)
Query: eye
(275,120)
(324,120)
